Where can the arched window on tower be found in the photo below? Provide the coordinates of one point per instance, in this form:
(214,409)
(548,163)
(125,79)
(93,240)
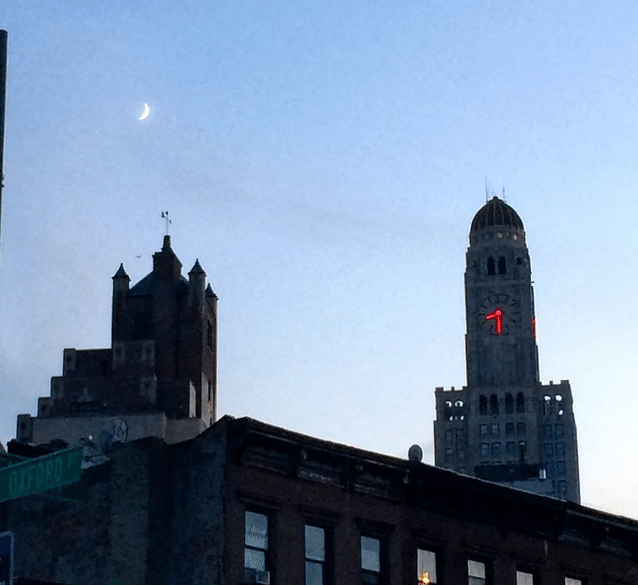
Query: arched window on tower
(509,403)
(482,404)
(493,404)
(491,266)
(520,402)
(547,405)
(501,265)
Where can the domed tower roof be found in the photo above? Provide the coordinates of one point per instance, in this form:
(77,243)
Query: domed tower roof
(496,213)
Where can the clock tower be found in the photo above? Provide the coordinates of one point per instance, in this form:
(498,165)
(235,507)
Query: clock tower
(500,342)
(505,425)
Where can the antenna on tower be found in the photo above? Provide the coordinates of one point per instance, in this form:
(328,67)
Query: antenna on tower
(489,192)
(168,221)
(504,194)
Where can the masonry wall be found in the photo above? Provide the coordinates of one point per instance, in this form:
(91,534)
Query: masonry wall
(104,538)
(411,506)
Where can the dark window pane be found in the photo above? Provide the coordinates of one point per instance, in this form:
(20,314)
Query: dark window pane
(494,404)
(370,578)
(520,402)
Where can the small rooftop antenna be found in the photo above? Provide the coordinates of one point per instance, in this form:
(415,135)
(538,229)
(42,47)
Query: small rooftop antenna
(504,194)
(168,221)
(489,192)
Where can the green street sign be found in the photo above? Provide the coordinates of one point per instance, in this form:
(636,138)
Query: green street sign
(40,474)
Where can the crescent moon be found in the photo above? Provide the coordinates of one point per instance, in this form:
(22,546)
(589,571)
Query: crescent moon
(146,113)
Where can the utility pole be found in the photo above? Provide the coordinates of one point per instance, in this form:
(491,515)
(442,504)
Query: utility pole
(3,102)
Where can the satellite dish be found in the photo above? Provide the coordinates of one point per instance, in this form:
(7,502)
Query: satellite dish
(415,453)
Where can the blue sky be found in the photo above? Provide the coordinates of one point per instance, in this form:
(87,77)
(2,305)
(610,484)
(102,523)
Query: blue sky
(324,161)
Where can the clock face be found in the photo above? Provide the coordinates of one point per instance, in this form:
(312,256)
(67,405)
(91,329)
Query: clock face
(499,314)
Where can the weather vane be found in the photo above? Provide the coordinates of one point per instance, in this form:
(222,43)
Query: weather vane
(168,221)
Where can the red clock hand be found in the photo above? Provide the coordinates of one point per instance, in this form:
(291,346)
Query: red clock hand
(497,315)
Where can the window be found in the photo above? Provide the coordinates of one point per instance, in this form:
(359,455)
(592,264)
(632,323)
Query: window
(509,428)
(491,267)
(561,488)
(520,429)
(560,448)
(256,542)
(549,468)
(547,430)
(482,404)
(485,449)
(496,449)
(547,405)
(315,555)
(371,561)
(484,430)
(449,436)
(510,448)
(425,567)
(209,335)
(501,265)
(560,468)
(524,578)
(558,431)
(549,449)
(475,573)
(495,429)
(520,402)
(509,403)
(449,453)
(493,404)
(571,581)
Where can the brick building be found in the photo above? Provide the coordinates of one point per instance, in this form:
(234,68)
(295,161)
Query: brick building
(246,502)
(158,378)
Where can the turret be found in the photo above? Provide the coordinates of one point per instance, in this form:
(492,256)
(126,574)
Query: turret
(197,281)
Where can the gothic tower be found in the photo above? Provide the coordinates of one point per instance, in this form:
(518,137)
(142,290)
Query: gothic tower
(505,425)
(158,378)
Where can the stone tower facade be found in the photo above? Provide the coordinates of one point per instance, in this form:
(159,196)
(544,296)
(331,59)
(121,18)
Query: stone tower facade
(158,378)
(505,425)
